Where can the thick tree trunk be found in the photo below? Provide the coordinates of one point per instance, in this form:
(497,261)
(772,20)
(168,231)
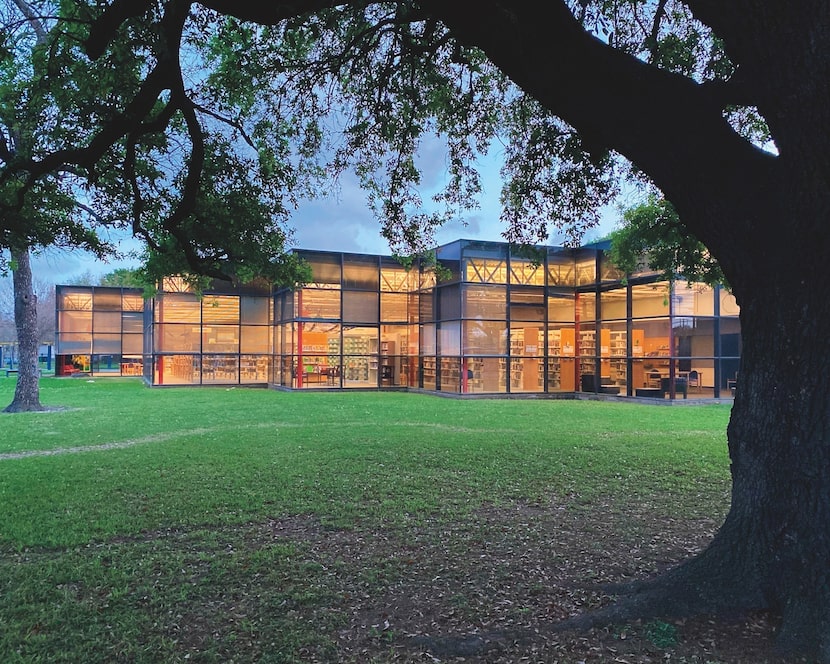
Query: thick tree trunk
(773,551)
(27,390)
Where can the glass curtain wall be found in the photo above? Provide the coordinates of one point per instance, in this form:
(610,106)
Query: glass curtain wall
(100,331)
(218,338)
(548,321)
(351,327)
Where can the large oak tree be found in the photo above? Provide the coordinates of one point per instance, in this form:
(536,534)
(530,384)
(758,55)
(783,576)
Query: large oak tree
(685,92)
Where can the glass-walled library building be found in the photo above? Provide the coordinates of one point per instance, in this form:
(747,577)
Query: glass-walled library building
(490,320)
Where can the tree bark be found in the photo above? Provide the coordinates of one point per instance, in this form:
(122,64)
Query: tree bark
(773,550)
(27,389)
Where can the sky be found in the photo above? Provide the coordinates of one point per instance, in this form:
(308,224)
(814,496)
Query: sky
(334,223)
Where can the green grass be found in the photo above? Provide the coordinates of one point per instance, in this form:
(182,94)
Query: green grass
(144,509)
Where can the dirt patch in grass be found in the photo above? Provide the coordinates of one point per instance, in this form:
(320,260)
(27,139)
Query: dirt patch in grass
(486,587)
(490,588)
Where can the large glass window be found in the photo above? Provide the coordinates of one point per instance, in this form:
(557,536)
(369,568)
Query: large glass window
(691,299)
(360,356)
(104,299)
(485,337)
(450,374)
(220,309)
(106,343)
(586,306)
(132,344)
(255,339)
(316,303)
(132,302)
(77,299)
(177,308)
(106,321)
(426,305)
(561,268)
(450,302)
(220,369)
(613,304)
(397,279)
(177,337)
(360,272)
(560,307)
(485,302)
(648,300)
(132,322)
(449,338)
(177,369)
(254,310)
(360,307)
(485,270)
(75,321)
(485,375)
(220,338)
(393,307)
(325,269)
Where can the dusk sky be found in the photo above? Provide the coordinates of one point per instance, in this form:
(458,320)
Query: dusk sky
(336,223)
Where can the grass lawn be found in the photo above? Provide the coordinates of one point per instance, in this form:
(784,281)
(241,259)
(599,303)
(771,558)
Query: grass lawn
(244,525)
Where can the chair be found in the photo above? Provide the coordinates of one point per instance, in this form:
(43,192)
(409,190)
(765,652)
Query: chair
(694,379)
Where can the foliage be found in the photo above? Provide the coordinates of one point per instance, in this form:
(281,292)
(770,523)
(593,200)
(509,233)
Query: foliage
(653,233)
(124,277)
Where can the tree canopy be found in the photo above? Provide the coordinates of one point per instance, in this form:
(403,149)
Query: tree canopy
(215,118)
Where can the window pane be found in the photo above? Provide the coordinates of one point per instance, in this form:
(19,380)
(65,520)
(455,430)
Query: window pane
(690,299)
(172,337)
(360,307)
(325,270)
(450,302)
(132,302)
(525,312)
(104,321)
(316,303)
(561,308)
(74,343)
(397,279)
(132,344)
(254,310)
(106,299)
(220,369)
(586,306)
(220,338)
(360,273)
(527,295)
(527,272)
(613,304)
(75,321)
(178,308)
(426,306)
(485,302)
(449,338)
(485,337)
(77,299)
(393,307)
(650,300)
(255,339)
(485,271)
(106,343)
(220,309)
(132,321)
(177,370)
(427,334)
